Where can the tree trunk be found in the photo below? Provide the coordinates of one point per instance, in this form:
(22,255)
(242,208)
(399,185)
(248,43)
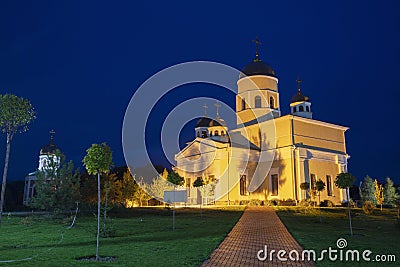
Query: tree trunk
(348,207)
(98,216)
(319,200)
(3,185)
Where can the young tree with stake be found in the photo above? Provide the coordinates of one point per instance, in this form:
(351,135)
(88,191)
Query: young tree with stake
(345,181)
(98,160)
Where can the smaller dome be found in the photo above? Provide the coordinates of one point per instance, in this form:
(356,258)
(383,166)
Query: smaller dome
(203,122)
(48,149)
(300,97)
(217,122)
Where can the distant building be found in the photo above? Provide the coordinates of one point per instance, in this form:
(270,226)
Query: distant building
(267,156)
(46,154)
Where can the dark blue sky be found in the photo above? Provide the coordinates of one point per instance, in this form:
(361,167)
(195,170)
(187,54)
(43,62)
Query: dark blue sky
(80,63)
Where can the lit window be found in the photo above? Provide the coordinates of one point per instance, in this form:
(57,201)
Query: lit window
(329,187)
(243,190)
(257,102)
(274,184)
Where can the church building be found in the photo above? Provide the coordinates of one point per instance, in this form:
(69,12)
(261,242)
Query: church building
(268,155)
(46,155)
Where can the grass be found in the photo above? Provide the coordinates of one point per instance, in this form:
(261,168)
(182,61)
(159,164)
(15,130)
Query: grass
(144,237)
(378,232)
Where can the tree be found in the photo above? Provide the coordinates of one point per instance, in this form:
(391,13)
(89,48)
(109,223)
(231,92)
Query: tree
(140,195)
(164,175)
(305,186)
(16,114)
(367,190)
(98,160)
(320,186)
(379,193)
(390,193)
(157,187)
(175,178)
(198,182)
(57,185)
(128,189)
(345,181)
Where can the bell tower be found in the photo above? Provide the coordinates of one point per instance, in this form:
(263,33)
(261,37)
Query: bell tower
(300,104)
(258,96)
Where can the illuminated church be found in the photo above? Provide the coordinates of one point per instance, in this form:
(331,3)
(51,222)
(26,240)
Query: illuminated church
(46,155)
(268,155)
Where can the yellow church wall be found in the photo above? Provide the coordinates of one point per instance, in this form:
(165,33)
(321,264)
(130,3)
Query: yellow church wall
(283,132)
(321,169)
(318,136)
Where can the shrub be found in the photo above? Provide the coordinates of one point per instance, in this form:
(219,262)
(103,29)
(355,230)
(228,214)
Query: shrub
(327,203)
(244,202)
(368,207)
(352,204)
(287,202)
(256,202)
(305,203)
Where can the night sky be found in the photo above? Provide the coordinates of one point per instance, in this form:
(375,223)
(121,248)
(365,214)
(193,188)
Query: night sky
(79,63)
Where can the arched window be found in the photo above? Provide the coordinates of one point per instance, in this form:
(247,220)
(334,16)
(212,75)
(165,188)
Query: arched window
(307,108)
(271,102)
(294,109)
(222,133)
(243,190)
(257,102)
(243,103)
(204,134)
(216,133)
(198,134)
(301,108)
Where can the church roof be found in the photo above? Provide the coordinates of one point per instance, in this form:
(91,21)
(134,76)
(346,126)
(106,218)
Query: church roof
(257,67)
(50,148)
(208,122)
(217,122)
(300,97)
(203,122)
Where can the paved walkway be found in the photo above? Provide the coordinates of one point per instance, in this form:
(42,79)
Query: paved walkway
(258,226)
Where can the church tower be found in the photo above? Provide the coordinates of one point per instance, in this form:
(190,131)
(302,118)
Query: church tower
(300,104)
(216,129)
(257,92)
(48,153)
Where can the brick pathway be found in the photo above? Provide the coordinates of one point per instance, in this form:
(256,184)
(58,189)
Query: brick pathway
(258,226)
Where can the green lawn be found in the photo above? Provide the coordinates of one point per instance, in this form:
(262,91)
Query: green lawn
(378,232)
(144,237)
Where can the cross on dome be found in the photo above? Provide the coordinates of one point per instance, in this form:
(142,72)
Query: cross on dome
(217,105)
(257,42)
